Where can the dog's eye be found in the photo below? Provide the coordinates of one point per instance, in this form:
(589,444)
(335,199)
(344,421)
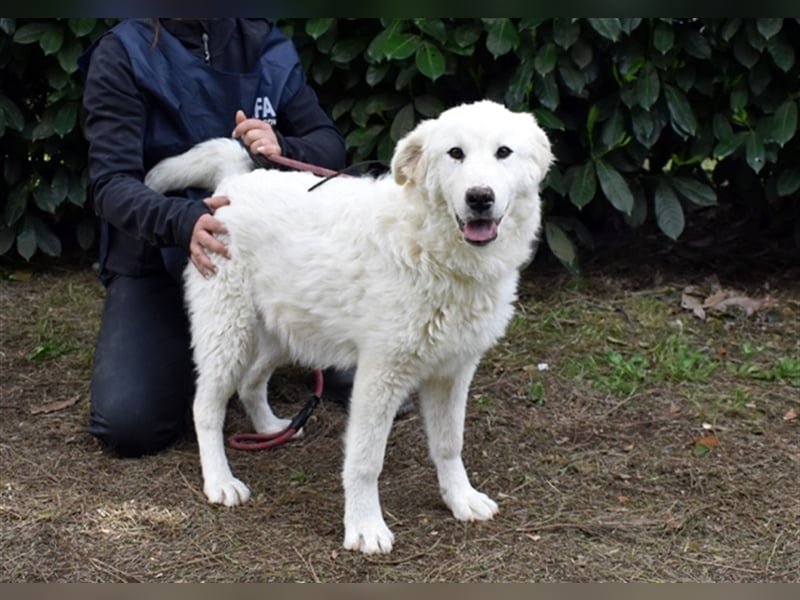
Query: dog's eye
(503,152)
(456,153)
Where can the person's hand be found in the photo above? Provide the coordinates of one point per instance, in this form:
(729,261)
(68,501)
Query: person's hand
(203,239)
(257,135)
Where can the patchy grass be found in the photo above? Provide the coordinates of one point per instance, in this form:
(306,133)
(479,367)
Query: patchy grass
(623,438)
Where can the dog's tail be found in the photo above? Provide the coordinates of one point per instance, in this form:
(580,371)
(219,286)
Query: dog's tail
(203,166)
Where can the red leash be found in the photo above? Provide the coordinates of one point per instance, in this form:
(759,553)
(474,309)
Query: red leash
(262,441)
(301,166)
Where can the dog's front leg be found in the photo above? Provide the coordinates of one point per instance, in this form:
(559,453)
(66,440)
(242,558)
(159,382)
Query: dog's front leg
(372,409)
(443,403)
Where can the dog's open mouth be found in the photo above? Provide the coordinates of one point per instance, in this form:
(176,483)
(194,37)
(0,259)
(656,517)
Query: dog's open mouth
(478,232)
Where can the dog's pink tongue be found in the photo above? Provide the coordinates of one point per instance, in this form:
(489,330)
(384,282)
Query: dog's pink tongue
(482,230)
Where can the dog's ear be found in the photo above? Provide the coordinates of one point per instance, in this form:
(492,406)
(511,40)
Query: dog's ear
(408,162)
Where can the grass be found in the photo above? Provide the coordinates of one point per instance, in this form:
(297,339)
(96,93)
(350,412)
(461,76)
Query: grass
(623,439)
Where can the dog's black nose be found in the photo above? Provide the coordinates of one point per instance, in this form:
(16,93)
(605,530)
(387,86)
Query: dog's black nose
(480,199)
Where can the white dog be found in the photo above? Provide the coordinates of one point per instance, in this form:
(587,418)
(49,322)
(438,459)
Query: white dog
(411,276)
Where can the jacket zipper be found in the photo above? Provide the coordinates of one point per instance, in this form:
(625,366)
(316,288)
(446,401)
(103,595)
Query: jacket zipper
(206,53)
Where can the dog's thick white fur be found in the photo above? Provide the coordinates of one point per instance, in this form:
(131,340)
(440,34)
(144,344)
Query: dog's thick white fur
(411,276)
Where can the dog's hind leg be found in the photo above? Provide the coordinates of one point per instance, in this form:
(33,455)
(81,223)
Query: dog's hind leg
(253,387)
(442,402)
(223,342)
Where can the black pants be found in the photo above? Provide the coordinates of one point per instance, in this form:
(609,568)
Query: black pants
(143,375)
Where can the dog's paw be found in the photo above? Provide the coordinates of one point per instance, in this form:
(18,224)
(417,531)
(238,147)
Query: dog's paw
(370,537)
(472,505)
(230,492)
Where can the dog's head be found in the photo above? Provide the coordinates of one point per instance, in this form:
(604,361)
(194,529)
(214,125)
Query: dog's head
(483,160)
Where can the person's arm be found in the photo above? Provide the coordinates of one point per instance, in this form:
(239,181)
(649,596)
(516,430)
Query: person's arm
(306,132)
(115,128)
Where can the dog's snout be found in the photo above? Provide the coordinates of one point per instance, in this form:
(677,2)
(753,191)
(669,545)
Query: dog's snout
(480,199)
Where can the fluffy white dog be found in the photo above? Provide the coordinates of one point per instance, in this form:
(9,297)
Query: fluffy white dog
(411,276)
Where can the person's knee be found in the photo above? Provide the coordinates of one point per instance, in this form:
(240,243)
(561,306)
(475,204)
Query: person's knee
(130,431)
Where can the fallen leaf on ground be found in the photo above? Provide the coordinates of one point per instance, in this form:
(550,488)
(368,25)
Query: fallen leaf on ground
(703,445)
(790,415)
(54,406)
(722,301)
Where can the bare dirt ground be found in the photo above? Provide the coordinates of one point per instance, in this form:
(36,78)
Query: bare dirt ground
(623,437)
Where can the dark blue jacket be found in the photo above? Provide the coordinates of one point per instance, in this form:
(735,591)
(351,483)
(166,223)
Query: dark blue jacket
(147,99)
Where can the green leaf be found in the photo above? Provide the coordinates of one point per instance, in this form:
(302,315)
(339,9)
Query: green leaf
(754,152)
(403,122)
(696,45)
(643,126)
(68,56)
(789,181)
(402,46)
(45,128)
(378,48)
(545,60)
(51,40)
(65,119)
(82,27)
(342,107)
(663,37)
(566,31)
(548,119)
(363,136)
(648,86)
(322,70)
(428,106)
(639,211)
(574,79)
(614,187)
(317,27)
(434,28)
(45,198)
(345,51)
(32,32)
(769,27)
(10,114)
(15,205)
(547,92)
(430,61)
(727,146)
(46,240)
(608,28)
(466,35)
(669,212)
(782,53)
(694,191)
(613,132)
(383,102)
(502,36)
(581,54)
(7,237)
(583,184)
(560,245)
(520,85)
(680,110)
(76,190)
(784,125)
(744,52)
(26,240)
(376,73)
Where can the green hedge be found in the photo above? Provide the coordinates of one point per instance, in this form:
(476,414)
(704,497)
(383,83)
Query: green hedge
(651,119)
